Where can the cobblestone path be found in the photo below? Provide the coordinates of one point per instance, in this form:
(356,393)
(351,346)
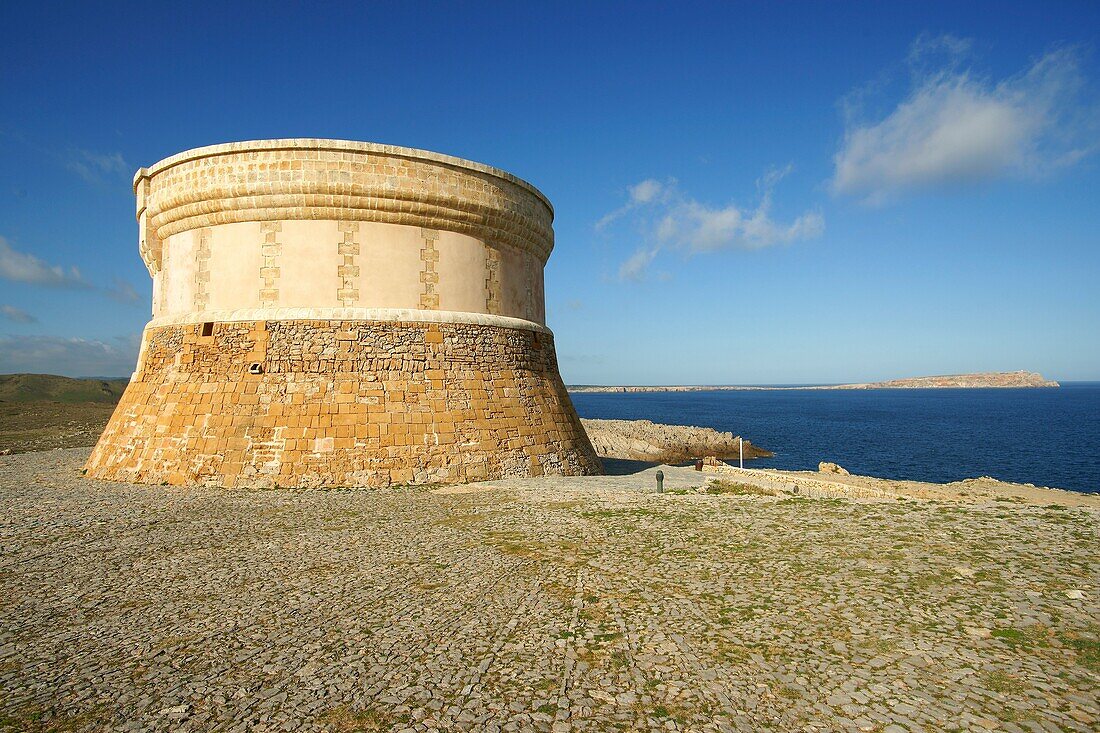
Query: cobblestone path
(545,604)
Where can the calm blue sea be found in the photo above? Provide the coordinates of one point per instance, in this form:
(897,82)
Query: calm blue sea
(1048,437)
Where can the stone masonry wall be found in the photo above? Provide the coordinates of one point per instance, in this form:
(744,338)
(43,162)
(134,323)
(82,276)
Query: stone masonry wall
(342,403)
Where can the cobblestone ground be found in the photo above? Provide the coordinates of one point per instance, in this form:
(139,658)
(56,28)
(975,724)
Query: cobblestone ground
(552,604)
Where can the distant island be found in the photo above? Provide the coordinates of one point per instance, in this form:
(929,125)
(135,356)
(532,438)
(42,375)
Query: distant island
(964,381)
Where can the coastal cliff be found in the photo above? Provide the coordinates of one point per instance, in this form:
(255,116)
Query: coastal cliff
(1019,379)
(642,440)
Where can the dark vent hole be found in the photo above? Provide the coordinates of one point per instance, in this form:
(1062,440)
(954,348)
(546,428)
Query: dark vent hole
(208,328)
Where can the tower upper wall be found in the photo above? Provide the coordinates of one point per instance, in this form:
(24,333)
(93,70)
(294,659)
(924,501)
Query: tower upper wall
(239,231)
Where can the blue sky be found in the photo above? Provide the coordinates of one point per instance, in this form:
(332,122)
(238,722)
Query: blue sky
(745,192)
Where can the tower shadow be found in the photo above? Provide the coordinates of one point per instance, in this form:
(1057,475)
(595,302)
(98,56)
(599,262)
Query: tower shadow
(625,467)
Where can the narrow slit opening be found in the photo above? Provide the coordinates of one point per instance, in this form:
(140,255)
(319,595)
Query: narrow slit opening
(208,328)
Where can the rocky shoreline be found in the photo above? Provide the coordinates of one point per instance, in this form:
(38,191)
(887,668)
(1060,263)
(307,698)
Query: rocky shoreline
(642,440)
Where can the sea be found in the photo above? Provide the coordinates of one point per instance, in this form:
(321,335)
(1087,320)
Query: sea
(1046,437)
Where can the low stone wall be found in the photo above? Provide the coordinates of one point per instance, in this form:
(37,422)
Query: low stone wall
(342,403)
(813,488)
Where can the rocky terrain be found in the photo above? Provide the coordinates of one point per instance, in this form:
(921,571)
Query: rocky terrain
(642,440)
(45,411)
(546,604)
(33,426)
(981,379)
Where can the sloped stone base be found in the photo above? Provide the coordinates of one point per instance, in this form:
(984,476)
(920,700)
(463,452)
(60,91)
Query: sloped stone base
(342,403)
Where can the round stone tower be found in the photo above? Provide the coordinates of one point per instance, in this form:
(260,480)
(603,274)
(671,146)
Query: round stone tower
(332,313)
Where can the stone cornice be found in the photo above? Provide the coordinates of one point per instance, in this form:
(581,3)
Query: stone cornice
(310,143)
(388,315)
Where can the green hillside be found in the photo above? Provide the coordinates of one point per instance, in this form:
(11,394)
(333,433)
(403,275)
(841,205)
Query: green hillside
(52,388)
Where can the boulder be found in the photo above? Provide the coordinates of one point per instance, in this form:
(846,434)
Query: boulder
(829,467)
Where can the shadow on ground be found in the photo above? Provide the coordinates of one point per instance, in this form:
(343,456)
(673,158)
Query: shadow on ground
(624,466)
(629,467)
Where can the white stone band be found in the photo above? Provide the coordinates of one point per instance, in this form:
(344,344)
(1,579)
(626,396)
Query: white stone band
(388,315)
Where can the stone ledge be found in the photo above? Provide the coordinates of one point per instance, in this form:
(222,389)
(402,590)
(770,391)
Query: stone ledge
(388,315)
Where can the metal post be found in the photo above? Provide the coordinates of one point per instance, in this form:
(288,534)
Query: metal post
(660,481)
(740,452)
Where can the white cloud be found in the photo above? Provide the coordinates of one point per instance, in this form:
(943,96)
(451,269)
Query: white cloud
(672,220)
(72,357)
(121,291)
(16,315)
(26,268)
(700,228)
(642,193)
(929,51)
(646,191)
(92,166)
(634,268)
(957,127)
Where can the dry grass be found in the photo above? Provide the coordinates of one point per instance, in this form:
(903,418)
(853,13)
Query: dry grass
(34,426)
(370,720)
(738,489)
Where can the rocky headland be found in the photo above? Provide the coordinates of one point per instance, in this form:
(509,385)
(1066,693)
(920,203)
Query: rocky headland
(642,440)
(1018,379)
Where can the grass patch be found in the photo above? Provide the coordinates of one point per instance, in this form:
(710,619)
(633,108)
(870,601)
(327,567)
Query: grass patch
(1011,636)
(632,513)
(1001,682)
(460,520)
(883,645)
(517,544)
(36,721)
(368,720)
(1031,636)
(571,504)
(1087,649)
(738,489)
(929,581)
